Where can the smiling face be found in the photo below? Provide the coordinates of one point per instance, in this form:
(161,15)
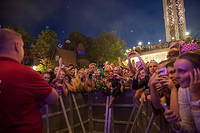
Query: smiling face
(142,74)
(62,75)
(183,67)
(172,74)
(116,70)
(110,76)
(98,72)
(152,67)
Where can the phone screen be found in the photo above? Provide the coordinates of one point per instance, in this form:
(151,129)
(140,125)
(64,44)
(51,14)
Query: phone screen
(138,64)
(164,105)
(162,70)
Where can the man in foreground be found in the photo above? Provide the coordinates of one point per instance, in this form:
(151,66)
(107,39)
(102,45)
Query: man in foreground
(21,88)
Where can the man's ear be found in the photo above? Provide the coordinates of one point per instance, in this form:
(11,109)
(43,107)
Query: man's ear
(17,47)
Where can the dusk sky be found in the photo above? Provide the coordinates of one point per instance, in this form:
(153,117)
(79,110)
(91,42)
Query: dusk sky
(134,20)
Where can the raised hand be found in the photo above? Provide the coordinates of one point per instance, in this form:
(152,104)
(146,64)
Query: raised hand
(171,117)
(195,84)
(133,54)
(166,81)
(60,62)
(173,44)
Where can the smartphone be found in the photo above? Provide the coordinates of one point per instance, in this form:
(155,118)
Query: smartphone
(165,106)
(139,65)
(162,70)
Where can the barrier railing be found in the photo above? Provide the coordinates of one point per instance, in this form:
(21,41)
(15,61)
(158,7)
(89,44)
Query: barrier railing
(89,113)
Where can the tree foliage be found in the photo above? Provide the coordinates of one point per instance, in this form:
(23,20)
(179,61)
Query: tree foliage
(45,64)
(75,37)
(45,45)
(45,48)
(107,47)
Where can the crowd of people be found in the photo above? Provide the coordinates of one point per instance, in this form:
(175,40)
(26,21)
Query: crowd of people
(172,85)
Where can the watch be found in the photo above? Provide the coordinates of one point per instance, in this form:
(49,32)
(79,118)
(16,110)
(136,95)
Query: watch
(196,103)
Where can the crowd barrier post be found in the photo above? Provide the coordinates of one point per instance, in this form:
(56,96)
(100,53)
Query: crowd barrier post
(65,114)
(71,113)
(136,117)
(109,115)
(78,112)
(106,115)
(150,123)
(90,101)
(130,118)
(47,117)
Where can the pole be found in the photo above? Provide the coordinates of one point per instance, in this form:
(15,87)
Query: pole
(136,117)
(106,115)
(150,123)
(47,117)
(78,112)
(65,114)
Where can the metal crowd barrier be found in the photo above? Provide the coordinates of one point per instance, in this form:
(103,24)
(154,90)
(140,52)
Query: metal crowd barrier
(89,113)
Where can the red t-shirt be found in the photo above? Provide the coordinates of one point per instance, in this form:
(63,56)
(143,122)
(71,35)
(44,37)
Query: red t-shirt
(21,91)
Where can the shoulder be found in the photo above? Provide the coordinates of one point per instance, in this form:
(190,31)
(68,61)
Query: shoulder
(28,71)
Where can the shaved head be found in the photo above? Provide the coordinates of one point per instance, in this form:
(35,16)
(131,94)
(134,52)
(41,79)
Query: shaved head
(7,37)
(11,44)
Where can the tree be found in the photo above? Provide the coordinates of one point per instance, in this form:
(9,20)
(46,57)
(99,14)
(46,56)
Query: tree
(45,48)
(107,47)
(75,37)
(45,64)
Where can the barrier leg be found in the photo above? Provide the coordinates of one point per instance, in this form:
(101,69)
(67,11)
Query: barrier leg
(106,115)
(109,115)
(47,117)
(78,112)
(131,116)
(65,114)
(150,123)
(136,117)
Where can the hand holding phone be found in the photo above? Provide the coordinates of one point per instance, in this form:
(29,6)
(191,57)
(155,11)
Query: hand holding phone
(165,106)
(139,65)
(162,70)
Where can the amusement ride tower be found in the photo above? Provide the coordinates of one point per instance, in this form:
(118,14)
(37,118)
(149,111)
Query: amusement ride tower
(174,16)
